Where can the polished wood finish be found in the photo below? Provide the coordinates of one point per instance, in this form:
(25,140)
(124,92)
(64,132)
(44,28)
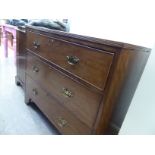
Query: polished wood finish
(20,57)
(82,102)
(128,71)
(88,82)
(57,51)
(65,122)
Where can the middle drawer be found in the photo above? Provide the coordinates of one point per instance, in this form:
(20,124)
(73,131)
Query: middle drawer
(78,99)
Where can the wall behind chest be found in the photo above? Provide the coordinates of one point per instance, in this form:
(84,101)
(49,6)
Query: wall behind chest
(140,116)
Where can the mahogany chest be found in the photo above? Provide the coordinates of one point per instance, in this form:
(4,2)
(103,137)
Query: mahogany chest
(83,85)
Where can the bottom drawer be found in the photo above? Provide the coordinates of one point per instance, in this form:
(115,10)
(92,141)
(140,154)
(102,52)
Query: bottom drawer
(64,121)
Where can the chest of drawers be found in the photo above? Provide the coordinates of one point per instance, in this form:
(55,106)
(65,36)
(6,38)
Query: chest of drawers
(83,85)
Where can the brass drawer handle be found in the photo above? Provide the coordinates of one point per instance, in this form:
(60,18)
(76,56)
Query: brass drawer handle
(62,122)
(36,44)
(66,92)
(72,60)
(50,41)
(35,69)
(35,92)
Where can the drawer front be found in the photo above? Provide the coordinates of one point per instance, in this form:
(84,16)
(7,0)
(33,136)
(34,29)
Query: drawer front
(88,64)
(78,99)
(65,122)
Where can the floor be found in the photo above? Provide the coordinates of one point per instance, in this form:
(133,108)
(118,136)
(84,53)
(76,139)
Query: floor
(17,118)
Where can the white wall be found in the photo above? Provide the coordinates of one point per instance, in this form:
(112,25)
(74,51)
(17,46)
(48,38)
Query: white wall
(140,118)
(121,20)
(128,21)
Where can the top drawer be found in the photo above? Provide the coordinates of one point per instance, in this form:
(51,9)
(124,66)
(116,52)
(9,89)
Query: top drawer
(89,64)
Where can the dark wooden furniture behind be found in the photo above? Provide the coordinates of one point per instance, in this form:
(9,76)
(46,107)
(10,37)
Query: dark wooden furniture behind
(83,85)
(20,57)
